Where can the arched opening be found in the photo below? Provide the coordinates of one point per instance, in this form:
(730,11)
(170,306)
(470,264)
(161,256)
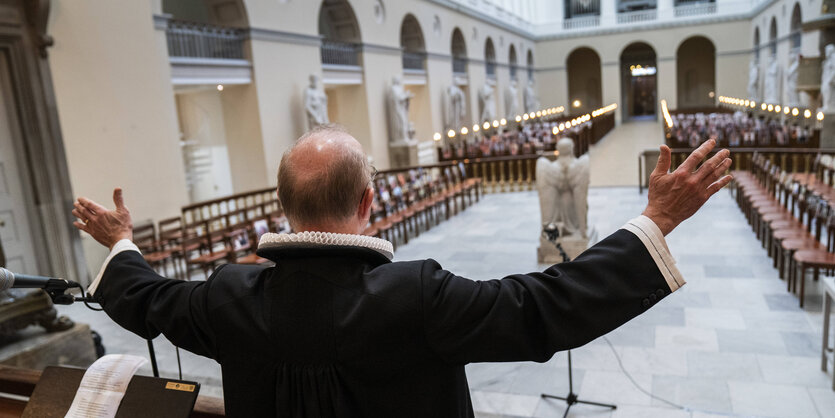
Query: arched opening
(490,58)
(584,86)
(512,62)
(411,40)
(340,34)
(638,81)
(772,37)
(220,150)
(795,31)
(696,72)
(530,64)
(415,77)
(757,43)
(459,52)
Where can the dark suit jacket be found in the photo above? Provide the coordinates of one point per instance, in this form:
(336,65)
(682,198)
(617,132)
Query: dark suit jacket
(341,331)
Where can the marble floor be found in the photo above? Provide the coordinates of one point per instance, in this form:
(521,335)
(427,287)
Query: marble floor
(732,342)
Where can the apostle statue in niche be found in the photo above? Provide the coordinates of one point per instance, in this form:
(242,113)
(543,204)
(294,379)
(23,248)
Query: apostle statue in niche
(531,101)
(563,187)
(772,80)
(488,103)
(398,112)
(792,96)
(315,103)
(828,80)
(454,108)
(753,79)
(511,100)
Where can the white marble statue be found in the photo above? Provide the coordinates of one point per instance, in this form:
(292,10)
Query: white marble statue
(511,100)
(753,80)
(315,104)
(531,101)
(454,108)
(488,103)
(772,81)
(828,80)
(563,187)
(792,97)
(398,112)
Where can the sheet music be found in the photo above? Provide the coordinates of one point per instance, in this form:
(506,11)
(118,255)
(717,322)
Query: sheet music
(103,386)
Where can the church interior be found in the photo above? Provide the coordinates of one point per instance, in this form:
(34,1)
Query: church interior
(488,124)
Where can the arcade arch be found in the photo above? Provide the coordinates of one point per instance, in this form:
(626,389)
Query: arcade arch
(584,80)
(696,73)
(638,81)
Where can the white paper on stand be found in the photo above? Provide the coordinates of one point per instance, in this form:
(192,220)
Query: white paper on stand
(103,386)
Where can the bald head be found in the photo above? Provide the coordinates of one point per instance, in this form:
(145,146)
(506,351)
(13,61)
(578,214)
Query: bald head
(323,177)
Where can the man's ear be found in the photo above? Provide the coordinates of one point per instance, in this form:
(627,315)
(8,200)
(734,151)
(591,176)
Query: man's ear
(364,209)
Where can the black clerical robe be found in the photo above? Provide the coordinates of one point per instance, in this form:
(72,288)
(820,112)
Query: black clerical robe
(342,331)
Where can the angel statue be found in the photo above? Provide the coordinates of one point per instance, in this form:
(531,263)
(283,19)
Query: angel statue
(563,190)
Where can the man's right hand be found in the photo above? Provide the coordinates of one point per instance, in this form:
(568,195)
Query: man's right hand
(676,196)
(107,226)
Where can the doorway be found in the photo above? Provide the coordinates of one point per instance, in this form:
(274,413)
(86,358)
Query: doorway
(639,74)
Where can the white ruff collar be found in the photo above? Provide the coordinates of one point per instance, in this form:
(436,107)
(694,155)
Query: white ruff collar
(324,239)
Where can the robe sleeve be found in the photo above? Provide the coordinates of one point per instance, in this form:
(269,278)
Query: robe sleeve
(147,304)
(532,316)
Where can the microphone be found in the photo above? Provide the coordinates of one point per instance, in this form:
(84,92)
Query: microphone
(9,280)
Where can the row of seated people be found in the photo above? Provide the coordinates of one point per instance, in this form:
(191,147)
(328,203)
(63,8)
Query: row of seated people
(793,216)
(405,203)
(737,130)
(529,139)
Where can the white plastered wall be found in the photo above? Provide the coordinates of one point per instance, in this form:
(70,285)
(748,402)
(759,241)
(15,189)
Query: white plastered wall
(116,108)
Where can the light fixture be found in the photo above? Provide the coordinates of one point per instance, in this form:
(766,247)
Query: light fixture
(562,126)
(220,87)
(770,108)
(486,125)
(820,115)
(711,94)
(554,130)
(464,131)
(476,128)
(437,136)
(503,122)
(785,110)
(807,113)
(753,104)
(576,103)
(525,116)
(518,118)
(531,115)
(777,109)
(762,106)
(495,124)
(539,113)
(451,133)
(795,112)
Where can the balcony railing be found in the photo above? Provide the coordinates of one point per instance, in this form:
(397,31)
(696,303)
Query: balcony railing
(637,16)
(694,8)
(491,69)
(340,53)
(414,61)
(581,22)
(199,40)
(459,65)
(579,8)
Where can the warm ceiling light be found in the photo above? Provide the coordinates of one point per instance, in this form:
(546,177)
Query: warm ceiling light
(531,115)
(451,133)
(518,118)
(486,125)
(795,112)
(495,124)
(762,106)
(437,136)
(807,113)
(220,87)
(576,103)
(503,122)
(820,115)
(562,126)
(476,128)
(464,131)
(525,116)
(554,131)
(777,109)
(786,110)
(770,108)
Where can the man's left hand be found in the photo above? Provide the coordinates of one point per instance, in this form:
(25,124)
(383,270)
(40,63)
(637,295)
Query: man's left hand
(106,226)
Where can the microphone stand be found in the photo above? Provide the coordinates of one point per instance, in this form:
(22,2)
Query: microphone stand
(552,233)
